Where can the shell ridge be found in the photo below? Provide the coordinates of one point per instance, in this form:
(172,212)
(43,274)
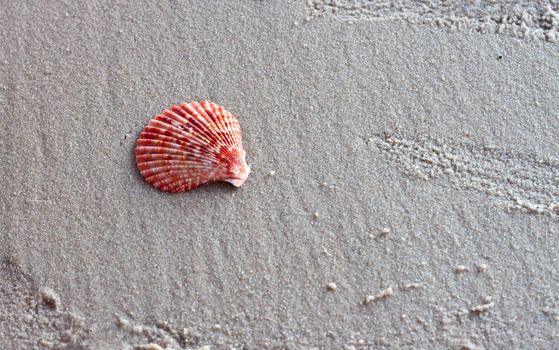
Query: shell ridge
(146,135)
(235,128)
(172,133)
(150,129)
(212,135)
(147,157)
(163,122)
(194,122)
(195,132)
(173,171)
(176,118)
(232,126)
(169,176)
(195,109)
(222,149)
(162,167)
(218,129)
(194,129)
(225,132)
(157,150)
(173,119)
(148,160)
(219,115)
(147,138)
(177,183)
(177,164)
(156,139)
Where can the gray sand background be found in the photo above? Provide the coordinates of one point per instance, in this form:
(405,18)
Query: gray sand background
(415,155)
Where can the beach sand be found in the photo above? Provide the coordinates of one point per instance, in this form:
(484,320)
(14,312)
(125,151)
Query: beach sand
(404,194)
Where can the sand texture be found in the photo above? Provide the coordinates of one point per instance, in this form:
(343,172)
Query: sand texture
(405,185)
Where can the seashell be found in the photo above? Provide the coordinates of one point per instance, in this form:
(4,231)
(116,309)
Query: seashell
(189,145)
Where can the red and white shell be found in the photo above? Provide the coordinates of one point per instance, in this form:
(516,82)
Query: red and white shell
(189,145)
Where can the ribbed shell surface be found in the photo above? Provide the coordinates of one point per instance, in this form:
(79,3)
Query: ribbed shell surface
(189,145)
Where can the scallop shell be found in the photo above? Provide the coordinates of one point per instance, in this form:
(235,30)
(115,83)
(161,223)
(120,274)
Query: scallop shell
(189,145)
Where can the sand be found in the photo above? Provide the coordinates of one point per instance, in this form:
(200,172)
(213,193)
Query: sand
(404,194)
